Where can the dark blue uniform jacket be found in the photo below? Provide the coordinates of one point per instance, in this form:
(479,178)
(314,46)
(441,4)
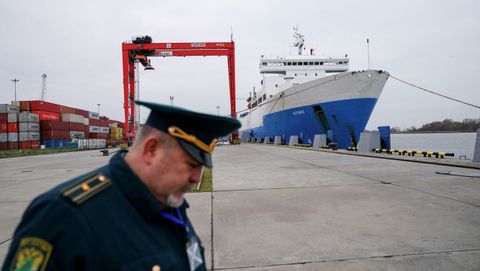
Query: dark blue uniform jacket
(120,227)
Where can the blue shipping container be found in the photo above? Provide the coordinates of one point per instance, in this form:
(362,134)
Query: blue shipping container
(55,143)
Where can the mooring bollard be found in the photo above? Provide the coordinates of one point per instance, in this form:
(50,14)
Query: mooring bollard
(293,141)
(277,140)
(319,140)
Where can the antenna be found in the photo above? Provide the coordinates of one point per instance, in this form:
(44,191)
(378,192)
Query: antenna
(368,52)
(299,40)
(44,87)
(137,91)
(231,33)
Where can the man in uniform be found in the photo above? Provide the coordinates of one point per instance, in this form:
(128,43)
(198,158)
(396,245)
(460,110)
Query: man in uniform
(129,214)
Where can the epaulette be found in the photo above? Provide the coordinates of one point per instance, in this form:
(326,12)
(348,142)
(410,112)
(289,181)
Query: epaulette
(86,188)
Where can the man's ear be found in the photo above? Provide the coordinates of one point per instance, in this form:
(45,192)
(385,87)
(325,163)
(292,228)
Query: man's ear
(150,149)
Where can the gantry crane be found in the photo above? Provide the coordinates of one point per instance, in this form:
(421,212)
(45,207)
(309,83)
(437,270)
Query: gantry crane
(141,48)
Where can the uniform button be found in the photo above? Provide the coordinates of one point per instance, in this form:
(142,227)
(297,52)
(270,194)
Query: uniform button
(156,268)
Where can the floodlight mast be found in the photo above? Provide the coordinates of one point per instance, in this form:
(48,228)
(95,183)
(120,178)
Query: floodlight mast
(141,48)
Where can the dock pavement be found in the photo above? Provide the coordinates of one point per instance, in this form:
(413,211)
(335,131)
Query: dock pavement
(279,208)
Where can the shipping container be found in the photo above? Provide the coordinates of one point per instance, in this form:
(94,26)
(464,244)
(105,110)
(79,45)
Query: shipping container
(12,137)
(92,143)
(12,127)
(55,143)
(35,144)
(3,146)
(25,145)
(103,123)
(3,137)
(28,127)
(25,106)
(54,125)
(12,146)
(93,115)
(66,109)
(55,134)
(81,112)
(114,130)
(28,136)
(3,127)
(98,136)
(105,130)
(15,103)
(67,117)
(28,117)
(93,129)
(86,121)
(76,126)
(77,134)
(4,117)
(44,106)
(93,122)
(113,125)
(12,117)
(8,108)
(45,115)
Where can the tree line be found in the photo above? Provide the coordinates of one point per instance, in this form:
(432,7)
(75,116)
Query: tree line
(447,125)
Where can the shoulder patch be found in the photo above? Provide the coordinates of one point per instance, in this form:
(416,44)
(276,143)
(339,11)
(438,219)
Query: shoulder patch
(86,188)
(32,254)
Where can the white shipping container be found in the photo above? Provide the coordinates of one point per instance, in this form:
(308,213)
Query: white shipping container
(86,121)
(93,115)
(67,117)
(113,125)
(3,137)
(15,103)
(12,117)
(12,137)
(104,130)
(7,108)
(29,127)
(28,136)
(94,129)
(77,134)
(28,117)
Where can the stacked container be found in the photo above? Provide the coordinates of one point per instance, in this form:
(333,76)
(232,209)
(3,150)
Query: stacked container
(8,127)
(29,130)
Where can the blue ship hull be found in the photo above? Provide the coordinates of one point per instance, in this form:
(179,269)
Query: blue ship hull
(342,122)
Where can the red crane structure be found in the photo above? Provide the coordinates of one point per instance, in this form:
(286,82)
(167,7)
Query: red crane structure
(141,48)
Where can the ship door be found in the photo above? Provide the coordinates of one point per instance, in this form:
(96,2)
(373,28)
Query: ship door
(320,114)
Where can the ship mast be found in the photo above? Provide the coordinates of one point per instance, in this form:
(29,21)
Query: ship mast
(299,40)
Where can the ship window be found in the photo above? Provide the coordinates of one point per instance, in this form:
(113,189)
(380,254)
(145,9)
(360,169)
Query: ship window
(346,62)
(305,63)
(289,63)
(305,74)
(294,63)
(315,74)
(254,104)
(321,63)
(261,82)
(276,85)
(284,63)
(295,74)
(300,63)
(264,63)
(316,63)
(260,100)
(264,97)
(310,63)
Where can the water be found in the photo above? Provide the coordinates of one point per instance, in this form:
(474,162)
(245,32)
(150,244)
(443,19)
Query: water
(458,143)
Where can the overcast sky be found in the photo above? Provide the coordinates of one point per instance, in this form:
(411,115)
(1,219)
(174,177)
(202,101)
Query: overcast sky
(435,44)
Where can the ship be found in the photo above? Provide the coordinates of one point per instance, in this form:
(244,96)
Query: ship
(304,95)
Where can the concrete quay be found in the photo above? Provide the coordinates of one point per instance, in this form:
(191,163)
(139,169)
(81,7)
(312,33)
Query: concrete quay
(277,208)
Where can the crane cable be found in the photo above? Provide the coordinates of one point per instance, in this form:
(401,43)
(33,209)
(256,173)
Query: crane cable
(433,92)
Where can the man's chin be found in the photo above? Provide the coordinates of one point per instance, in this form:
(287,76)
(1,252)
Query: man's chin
(174,201)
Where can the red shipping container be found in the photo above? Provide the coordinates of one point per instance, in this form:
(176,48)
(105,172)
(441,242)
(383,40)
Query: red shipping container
(24,105)
(44,106)
(25,145)
(76,126)
(12,127)
(98,135)
(3,117)
(3,127)
(45,115)
(55,134)
(35,144)
(3,146)
(81,112)
(12,146)
(93,122)
(103,123)
(54,125)
(66,109)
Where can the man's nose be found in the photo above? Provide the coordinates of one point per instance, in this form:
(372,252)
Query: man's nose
(197,174)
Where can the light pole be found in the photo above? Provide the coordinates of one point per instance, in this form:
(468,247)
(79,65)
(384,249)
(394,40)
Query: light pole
(98,110)
(15,83)
(171,100)
(218,110)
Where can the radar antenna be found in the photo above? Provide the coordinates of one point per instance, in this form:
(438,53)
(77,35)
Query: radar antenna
(299,40)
